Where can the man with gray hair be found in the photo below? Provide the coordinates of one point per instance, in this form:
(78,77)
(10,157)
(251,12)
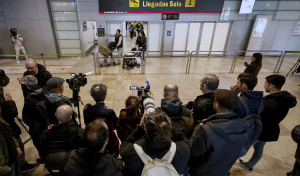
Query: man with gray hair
(99,110)
(203,105)
(34,111)
(60,138)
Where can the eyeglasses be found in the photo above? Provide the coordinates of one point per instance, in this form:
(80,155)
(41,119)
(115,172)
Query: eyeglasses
(29,68)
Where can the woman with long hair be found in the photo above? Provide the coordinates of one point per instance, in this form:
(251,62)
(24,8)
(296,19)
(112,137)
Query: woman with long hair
(129,118)
(256,64)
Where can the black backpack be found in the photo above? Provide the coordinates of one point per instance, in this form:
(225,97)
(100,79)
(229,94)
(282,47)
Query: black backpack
(254,123)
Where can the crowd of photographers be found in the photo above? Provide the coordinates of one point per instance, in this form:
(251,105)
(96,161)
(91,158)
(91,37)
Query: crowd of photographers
(202,138)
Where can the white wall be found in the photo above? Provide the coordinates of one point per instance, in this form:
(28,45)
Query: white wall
(88,36)
(31,18)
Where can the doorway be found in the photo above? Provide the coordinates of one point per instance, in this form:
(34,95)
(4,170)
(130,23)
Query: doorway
(89,34)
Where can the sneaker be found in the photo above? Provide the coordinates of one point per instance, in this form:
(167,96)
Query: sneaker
(18,62)
(29,167)
(245,165)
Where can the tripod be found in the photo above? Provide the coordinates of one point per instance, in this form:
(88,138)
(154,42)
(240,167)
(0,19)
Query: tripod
(294,68)
(76,102)
(20,120)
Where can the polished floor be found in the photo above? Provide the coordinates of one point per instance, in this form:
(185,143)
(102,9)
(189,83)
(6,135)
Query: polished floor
(278,157)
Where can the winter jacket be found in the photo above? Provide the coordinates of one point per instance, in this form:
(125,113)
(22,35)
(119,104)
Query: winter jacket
(125,126)
(141,41)
(88,163)
(42,76)
(8,112)
(174,109)
(3,157)
(61,138)
(296,138)
(253,69)
(11,142)
(99,110)
(34,112)
(204,104)
(52,102)
(253,100)
(276,107)
(134,164)
(217,144)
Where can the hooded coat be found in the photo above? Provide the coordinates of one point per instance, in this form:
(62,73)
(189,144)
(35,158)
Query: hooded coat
(217,144)
(276,107)
(86,162)
(174,109)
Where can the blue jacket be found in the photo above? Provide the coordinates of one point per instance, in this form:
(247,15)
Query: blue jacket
(253,100)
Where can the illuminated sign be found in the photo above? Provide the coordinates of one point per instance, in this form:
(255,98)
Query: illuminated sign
(160,6)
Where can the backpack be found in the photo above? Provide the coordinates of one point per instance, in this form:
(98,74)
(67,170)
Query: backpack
(254,123)
(156,167)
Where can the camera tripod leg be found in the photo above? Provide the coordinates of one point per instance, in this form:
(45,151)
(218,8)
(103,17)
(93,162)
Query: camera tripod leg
(293,69)
(20,121)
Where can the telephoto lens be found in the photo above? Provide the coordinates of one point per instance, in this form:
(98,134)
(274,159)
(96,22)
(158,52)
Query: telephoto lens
(149,105)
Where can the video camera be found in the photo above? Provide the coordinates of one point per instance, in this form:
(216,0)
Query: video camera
(13,32)
(77,81)
(144,95)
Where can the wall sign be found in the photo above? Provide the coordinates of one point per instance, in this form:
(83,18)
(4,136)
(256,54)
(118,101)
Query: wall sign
(260,27)
(170,16)
(247,6)
(168,33)
(297,29)
(101,32)
(160,6)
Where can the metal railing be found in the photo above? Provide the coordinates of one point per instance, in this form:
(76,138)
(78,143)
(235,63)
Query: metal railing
(257,51)
(163,54)
(116,55)
(290,53)
(209,54)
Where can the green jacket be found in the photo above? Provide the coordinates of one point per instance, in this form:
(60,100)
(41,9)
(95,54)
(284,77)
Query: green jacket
(3,157)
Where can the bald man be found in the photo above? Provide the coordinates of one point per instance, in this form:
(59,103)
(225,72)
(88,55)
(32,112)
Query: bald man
(62,137)
(172,106)
(37,70)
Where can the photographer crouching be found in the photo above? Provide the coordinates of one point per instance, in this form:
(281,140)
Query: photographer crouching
(17,40)
(8,113)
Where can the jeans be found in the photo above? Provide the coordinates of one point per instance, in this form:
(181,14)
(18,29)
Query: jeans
(13,170)
(144,49)
(257,154)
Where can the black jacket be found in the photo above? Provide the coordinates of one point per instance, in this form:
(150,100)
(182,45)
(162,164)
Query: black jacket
(43,76)
(217,144)
(141,41)
(61,138)
(276,107)
(202,106)
(134,164)
(253,100)
(296,138)
(87,163)
(34,114)
(52,103)
(253,69)
(99,110)
(174,109)
(8,112)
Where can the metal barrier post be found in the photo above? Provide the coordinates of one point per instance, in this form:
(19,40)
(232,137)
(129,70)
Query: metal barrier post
(95,62)
(187,64)
(235,56)
(42,54)
(280,58)
(280,64)
(143,63)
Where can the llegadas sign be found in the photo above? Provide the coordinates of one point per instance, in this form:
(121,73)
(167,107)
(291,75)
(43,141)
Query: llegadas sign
(160,6)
